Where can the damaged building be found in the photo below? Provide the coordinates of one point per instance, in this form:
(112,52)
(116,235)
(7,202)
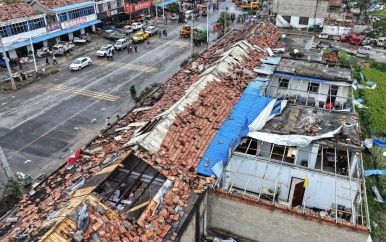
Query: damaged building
(220,150)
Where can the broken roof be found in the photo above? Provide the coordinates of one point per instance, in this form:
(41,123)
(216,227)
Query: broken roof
(183,122)
(301,42)
(308,121)
(314,70)
(16,10)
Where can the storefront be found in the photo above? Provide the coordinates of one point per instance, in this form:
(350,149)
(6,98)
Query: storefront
(133,10)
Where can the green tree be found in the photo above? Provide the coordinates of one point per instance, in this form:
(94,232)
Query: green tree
(10,195)
(174,7)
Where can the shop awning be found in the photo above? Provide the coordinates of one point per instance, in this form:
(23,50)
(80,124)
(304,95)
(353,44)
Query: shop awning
(49,36)
(161,4)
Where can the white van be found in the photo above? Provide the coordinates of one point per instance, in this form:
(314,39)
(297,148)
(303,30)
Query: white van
(120,44)
(189,14)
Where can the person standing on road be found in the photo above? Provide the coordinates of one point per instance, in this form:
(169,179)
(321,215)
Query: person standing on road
(108,56)
(135,48)
(20,65)
(148,44)
(118,49)
(159,34)
(54,60)
(47,62)
(111,55)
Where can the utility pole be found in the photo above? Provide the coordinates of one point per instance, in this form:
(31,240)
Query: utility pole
(5,164)
(191,38)
(207,27)
(7,64)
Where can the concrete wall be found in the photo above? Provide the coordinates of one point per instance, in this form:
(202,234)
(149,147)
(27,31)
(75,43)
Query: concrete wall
(322,191)
(316,10)
(302,86)
(245,222)
(336,30)
(23,36)
(190,231)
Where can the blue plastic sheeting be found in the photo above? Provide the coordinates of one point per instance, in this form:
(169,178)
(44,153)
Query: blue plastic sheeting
(379,142)
(249,106)
(271,60)
(72,6)
(359,100)
(362,77)
(300,77)
(161,4)
(375,172)
(49,36)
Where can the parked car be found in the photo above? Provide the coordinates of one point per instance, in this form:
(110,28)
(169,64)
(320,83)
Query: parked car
(140,37)
(104,49)
(127,29)
(121,44)
(80,63)
(324,36)
(315,28)
(364,50)
(323,45)
(136,26)
(173,16)
(151,30)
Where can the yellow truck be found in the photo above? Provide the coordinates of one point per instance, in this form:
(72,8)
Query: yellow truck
(140,37)
(238,2)
(250,5)
(185,31)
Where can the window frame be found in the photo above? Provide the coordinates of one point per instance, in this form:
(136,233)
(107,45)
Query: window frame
(302,20)
(284,83)
(311,87)
(287,18)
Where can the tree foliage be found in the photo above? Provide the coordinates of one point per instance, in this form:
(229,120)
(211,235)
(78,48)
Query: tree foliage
(174,7)
(10,195)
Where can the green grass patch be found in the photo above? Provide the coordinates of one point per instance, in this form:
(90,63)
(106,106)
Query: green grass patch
(379,13)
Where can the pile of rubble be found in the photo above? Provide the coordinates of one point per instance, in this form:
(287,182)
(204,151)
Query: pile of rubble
(181,150)
(338,22)
(332,56)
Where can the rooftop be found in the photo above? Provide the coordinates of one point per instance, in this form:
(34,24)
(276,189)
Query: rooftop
(314,70)
(308,121)
(50,4)
(301,42)
(166,135)
(16,10)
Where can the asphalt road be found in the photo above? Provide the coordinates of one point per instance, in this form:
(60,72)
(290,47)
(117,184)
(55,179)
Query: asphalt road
(44,123)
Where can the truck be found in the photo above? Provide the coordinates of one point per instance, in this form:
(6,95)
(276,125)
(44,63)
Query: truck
(199,36)
(62,48)
(78,40)
(185,31)
(249,5)
(352,38)
(114,35)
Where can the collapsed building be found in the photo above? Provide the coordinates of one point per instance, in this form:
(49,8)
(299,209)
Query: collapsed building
(222,149)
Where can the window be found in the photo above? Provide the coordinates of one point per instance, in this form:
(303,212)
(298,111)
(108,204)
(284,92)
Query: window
(109,6)
(284,83)
(119,4)
(22,27)
(287,18)
(303,20)
(313,87)
(100,8)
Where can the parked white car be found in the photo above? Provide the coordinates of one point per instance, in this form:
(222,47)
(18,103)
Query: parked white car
(136,26)
(324,36)
(121,44)
(80,63)
(104,50)
(173,16)
(364,50)
(151,30)
(127,29)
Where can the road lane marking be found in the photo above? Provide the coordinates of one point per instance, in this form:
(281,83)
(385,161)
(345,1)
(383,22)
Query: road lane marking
(83,92)
(99,79)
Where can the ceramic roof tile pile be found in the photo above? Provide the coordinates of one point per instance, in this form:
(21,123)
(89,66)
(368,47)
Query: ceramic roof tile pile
(16,10)
(184,144)
(59,3)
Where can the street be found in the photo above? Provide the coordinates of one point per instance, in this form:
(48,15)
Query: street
(44,123)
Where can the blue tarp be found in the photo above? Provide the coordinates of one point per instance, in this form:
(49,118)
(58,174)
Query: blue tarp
(72,6)
(161,4)
(379,142)
(49,36)
(375,172)
(249,106)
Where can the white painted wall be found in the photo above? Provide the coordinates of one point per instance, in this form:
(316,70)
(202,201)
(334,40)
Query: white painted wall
(302,86)
(320,192)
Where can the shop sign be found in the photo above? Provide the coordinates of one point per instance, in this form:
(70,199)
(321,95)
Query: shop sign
(142,5)
(53,26)
(74,22)
(128,8)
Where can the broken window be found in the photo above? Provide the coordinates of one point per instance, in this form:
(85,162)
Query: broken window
(313,87)
(303,20)
(284,83)
(287,18)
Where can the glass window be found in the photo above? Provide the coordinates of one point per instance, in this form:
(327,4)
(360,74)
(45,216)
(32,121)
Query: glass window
(313,87)
(100,8)
(303,20)
(284,83)
(287,18)
(109,6)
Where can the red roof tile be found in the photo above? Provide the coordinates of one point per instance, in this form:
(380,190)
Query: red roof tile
(16,10)
(59,3)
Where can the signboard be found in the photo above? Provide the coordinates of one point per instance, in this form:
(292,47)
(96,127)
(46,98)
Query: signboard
(142,5)
(128,8)
(53,26)
(74,22)
(108,13)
